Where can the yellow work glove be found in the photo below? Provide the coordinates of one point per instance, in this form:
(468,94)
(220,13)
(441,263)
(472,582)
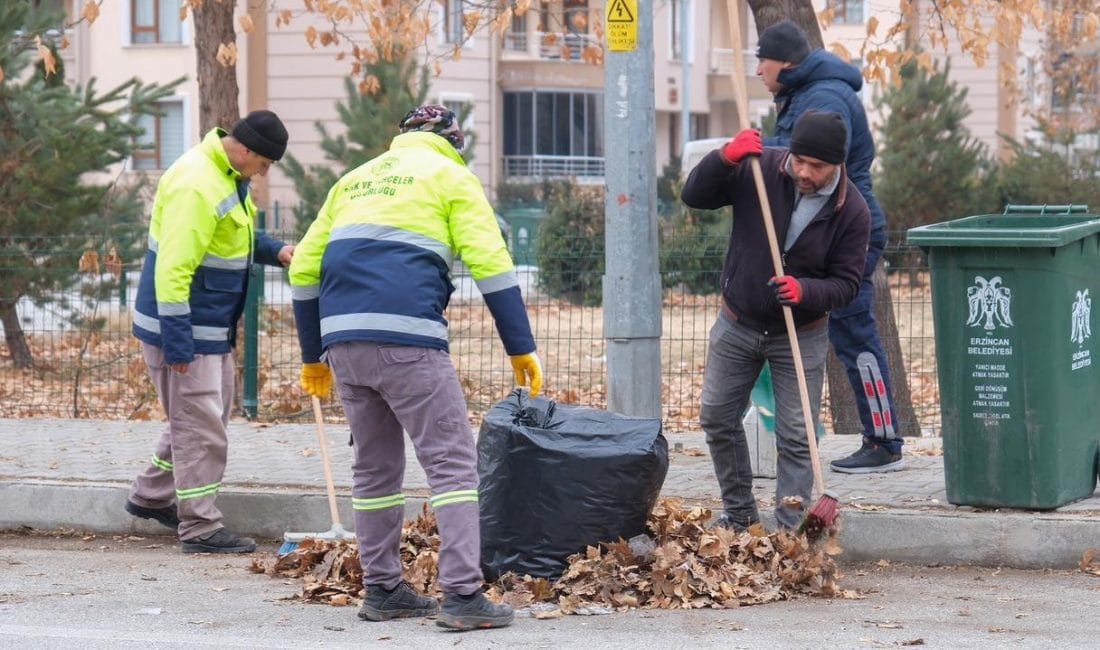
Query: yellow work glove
(316,379)
(528,372)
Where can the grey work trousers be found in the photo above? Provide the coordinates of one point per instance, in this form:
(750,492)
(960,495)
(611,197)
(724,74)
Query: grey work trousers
(735,357)
(189,461)
(387,390)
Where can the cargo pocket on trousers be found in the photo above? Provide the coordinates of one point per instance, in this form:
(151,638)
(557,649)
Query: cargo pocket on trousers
(409,370)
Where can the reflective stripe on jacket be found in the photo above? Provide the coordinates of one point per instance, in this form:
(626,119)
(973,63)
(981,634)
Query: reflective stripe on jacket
(201,245)
(375,264)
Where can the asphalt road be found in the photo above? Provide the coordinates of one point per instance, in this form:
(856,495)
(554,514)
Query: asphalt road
(116,592)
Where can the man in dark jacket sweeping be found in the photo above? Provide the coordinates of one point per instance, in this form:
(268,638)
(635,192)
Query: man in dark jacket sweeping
(803,79)
(822,225)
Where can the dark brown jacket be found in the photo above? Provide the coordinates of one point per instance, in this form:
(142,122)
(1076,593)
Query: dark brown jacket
(827,258)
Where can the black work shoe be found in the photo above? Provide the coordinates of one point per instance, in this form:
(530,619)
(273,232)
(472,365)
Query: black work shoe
(869,458)
(472,612)
(402,602)
(164,516)
(729,522)
(219,541)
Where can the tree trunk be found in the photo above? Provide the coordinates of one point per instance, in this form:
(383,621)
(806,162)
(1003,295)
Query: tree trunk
(769,12)
(13,336)
(842,405)
(218,90)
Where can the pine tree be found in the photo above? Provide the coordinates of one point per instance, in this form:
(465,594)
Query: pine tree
(53,137)
(371,121)
(930,167)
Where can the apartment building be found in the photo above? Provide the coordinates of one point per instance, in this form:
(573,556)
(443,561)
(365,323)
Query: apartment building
(537,106)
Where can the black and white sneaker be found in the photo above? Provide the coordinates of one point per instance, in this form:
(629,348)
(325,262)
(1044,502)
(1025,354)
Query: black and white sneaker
(871,457)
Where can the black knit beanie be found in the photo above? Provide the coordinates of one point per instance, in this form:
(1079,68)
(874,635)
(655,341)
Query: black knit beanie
(262,132)
(784,41)
(821,135)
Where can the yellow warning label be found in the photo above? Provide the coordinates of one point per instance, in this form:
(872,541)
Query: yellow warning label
(622,25)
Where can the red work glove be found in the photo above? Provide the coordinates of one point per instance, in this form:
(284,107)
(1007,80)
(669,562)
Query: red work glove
(744,144)
(787,290)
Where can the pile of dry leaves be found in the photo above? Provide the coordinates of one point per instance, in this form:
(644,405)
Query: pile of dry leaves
(684,565)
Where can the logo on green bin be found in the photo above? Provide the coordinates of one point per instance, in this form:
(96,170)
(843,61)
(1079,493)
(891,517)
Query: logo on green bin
(1080,329)
(990,304)
(1082,306)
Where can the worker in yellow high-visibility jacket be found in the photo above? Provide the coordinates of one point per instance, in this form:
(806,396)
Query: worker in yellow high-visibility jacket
(370,281)
(202,243)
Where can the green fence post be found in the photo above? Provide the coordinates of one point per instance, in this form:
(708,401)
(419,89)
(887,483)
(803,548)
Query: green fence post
(253,299)
(123,285)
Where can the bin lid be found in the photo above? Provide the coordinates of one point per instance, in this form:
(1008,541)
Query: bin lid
(530,212)
(1019,230)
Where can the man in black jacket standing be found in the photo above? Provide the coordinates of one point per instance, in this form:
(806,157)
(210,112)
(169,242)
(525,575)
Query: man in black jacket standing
(823,225)
(802,79)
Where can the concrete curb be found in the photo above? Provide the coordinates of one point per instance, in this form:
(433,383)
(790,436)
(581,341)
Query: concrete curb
(921,537)
(1008,539)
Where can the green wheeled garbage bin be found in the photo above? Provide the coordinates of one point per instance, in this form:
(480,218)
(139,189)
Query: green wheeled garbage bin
(1019,391)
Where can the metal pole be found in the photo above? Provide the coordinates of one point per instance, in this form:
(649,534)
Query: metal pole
(685,75)
(632,280)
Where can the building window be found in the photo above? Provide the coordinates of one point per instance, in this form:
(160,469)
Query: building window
(847,12)
(700,126)
(553,124)
(675,24)
(454,29)
(163,140)
(515,38)
(155,21)
(575,16)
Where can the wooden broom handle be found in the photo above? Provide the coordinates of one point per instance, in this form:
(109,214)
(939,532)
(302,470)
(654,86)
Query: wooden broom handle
(322,440)
(741,98)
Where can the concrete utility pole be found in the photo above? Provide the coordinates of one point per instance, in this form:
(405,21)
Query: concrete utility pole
(632,281)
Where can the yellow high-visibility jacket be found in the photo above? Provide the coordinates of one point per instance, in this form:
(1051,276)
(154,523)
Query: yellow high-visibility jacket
(375,264)
(201,245)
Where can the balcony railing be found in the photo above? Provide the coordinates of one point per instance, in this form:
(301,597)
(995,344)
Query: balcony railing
(721,61)
(536,167)
(549,46)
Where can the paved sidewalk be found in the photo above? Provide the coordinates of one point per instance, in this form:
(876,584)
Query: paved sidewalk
(75,474)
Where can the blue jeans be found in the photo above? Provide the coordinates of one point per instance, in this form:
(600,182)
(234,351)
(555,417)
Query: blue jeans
(734,359)
(854,335)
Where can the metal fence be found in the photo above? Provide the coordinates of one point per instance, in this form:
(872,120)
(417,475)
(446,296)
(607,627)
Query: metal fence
(87,365)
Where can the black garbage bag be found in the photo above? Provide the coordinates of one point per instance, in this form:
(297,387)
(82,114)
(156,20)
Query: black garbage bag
(556,478)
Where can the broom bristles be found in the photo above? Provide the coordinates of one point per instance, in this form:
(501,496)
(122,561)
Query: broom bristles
(822,516)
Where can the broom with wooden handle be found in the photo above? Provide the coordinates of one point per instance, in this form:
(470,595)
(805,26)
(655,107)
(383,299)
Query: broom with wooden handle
(822,515)
(337,532)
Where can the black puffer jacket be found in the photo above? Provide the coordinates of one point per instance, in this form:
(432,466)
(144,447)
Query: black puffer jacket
(827,258)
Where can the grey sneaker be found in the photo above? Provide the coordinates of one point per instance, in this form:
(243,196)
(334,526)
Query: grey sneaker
(219,541)
(166,517)
(868,459)
(472,612)
(402,602)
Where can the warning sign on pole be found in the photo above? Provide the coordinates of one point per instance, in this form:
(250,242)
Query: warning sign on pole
(622,25)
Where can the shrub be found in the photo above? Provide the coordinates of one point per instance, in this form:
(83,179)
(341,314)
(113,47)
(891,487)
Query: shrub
(571,243)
